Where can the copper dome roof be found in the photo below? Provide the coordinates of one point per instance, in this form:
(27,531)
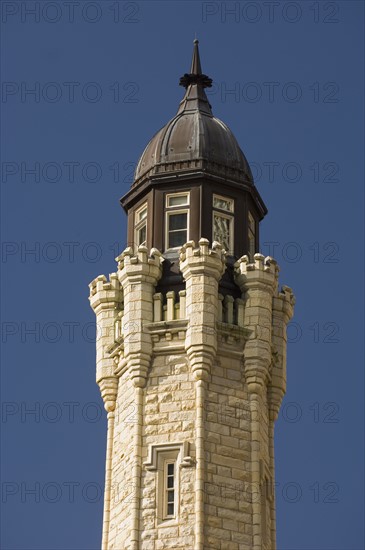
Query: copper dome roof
(194,139)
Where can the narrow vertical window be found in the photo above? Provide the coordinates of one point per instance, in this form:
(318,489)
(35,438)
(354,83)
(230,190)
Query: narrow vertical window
(170,490)
(223,211)
(167,459)
(140,225)
(177,220)
(251,235)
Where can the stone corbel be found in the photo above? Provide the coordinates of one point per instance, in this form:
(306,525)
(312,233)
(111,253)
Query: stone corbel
(109,389)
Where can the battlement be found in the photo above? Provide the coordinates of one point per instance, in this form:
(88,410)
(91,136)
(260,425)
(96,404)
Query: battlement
(283,303)
(287,294)
(171,307)
(261,263)
(129,257)
(105,292)
(202,259)
(189,249)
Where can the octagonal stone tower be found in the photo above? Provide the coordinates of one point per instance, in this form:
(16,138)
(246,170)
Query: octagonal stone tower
(191,348)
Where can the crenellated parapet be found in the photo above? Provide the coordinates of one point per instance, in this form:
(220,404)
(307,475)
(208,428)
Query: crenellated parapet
(202,259)
(132,319)
(142,265)
(106,299)
(263,271)
(104,293)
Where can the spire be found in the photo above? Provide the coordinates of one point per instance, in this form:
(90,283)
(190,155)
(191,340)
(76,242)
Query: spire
(195,62)
(196,76)
(195,82)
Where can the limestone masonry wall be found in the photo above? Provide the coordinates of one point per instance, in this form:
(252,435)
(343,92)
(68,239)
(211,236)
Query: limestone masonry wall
(199,379)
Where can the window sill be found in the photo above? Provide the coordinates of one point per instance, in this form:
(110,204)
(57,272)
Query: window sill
(173,522)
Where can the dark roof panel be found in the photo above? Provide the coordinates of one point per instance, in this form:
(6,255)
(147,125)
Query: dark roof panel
(194,138)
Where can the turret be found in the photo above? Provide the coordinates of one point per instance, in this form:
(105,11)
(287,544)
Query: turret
(191,347)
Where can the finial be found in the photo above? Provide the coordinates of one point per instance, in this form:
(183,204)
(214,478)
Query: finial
(195,62)
(196,76)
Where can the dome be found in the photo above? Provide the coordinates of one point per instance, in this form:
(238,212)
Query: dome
(194,139)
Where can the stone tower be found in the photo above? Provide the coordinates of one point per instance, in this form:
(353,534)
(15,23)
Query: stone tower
(191,347)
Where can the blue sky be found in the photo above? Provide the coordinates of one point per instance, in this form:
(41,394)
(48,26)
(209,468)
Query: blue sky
(288,80)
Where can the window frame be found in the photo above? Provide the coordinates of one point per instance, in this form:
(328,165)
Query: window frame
(164,458)
(139,224)
(226,199)
(166,490)
(158,454)
(177,194)
(227,214)
(175,210)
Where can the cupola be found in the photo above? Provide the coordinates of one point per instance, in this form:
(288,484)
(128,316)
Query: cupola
(193,181)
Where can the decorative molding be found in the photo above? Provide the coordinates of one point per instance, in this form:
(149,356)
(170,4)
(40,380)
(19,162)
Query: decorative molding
(162,327)
(153,451)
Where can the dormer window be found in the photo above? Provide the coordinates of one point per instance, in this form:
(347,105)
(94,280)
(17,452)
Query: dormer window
(223,211)
(140,225)
(251,235)
(177,219)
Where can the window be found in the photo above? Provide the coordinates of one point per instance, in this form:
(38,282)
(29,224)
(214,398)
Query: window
(169,489)
(166,459)
(140,225)
(223,203)
(177,219)
(179,199)
(223,209)
(251,235)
